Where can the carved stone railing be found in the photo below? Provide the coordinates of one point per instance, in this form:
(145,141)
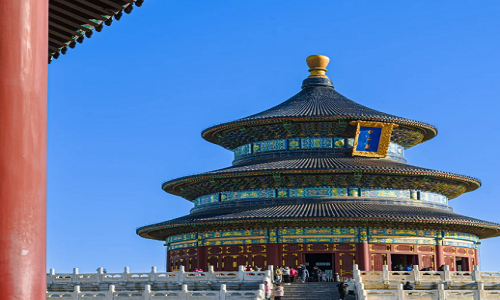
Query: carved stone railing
(439,294)
(179,277)
(148,294)
(451,285)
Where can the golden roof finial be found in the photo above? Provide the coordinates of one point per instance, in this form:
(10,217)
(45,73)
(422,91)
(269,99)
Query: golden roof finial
(317,66)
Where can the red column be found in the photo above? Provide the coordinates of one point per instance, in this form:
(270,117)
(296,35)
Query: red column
(167,266)
(476,258)
(364,257)
(23,127)
(272,255)
(439,257)
(202,258)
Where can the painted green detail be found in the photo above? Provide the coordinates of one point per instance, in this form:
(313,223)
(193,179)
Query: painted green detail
(312,192)
(322,235)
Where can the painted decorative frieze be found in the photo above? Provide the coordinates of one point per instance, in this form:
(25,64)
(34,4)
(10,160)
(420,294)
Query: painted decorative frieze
(291,235)
(312,192)
(305,143)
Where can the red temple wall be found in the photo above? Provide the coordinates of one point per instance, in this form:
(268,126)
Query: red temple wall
(344,256)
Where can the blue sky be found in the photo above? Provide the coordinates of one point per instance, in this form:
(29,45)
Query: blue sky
(126,107)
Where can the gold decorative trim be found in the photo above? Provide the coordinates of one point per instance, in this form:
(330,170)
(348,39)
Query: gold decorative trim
(336,247)
(385,138)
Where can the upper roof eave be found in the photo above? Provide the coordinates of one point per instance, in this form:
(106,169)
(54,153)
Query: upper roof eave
(317,103)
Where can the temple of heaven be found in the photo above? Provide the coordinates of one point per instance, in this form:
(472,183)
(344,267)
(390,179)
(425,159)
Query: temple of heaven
(322,180)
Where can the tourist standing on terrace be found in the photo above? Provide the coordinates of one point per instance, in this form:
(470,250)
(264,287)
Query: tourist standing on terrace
(301,276)
(407,286)
(278,292)
(267,290)
(278,273)
(342,287)
(316,273)
(286,275)
(293,274)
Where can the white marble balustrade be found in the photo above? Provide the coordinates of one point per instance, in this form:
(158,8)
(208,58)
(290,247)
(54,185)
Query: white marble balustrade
(180,276)
(439,294)
(388,285)
(148,294)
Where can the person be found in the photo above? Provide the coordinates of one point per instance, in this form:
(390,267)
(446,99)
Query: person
(256,268)
(441,268)
(301,274)
(293,274)
(286,275)
(408,268)
(277,274)
(407,286)
(249,268)
(316,274)
(350,286)
(306,272)
(267,289)
(323,276)
(278,292)
(342,287)
(198,270)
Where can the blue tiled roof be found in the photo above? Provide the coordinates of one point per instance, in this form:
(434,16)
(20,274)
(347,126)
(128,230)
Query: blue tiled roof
(322,103)
(336,213)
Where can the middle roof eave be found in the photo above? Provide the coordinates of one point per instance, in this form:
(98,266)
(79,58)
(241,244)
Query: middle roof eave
(323,165)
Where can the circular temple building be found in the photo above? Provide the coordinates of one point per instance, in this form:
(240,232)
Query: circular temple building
(322,180)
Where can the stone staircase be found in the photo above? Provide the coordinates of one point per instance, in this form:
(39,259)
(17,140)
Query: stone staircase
(312,291)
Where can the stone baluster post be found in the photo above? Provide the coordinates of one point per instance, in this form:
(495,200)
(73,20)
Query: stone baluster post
(181,274)
(184,291)
(363,292)
(441,292)
(100,271)
(52,274)
(262,291)
(75,275)
(359,289)
(111,292)
(146,294)
(210,274)
(241,273)
(480,289)
(355,272)
(401,293)
(153,274)
(222,295)
(76,292)
(447,274)
(271,269)
(385,275)
(476,275)
(416,275)
(126,272)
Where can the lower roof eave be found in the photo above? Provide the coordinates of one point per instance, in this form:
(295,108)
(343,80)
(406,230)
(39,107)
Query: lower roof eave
(161,231)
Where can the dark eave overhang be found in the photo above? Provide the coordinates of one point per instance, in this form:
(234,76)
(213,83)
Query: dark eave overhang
(321,215)
(70,21)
